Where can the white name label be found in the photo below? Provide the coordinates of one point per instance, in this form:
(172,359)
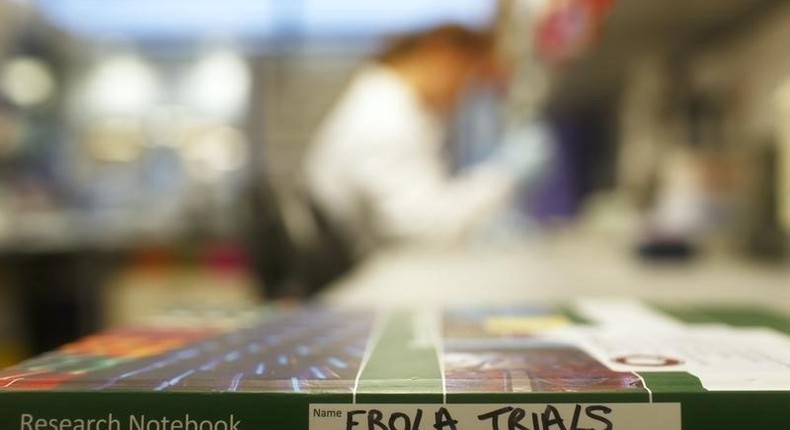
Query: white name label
(517,416)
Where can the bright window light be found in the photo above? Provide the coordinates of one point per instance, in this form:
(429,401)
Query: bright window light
(262,19)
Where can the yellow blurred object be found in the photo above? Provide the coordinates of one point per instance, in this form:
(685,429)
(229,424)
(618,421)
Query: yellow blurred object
(27,81)
(524,325)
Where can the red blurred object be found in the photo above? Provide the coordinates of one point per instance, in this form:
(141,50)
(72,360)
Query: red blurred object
(569,28)
(227,258)
(136,342)
(47,382)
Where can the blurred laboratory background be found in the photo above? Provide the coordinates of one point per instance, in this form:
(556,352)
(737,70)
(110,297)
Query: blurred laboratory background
(152,157)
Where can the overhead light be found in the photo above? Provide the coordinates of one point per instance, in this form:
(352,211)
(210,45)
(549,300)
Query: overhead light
(123,85)
(218,85)
(27,82)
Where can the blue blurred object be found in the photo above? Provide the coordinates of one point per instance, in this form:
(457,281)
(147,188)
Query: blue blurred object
(477,127)
(526,151)
(259,19)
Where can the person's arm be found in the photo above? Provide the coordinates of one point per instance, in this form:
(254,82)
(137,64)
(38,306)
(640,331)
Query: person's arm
(413,196)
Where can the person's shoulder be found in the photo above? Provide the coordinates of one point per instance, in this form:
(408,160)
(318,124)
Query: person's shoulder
(382,87)
(374,77)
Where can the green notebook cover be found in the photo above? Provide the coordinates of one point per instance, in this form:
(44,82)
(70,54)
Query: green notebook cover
(589,365)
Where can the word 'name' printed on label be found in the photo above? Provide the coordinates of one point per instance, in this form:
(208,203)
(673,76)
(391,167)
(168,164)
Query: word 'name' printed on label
(618,416)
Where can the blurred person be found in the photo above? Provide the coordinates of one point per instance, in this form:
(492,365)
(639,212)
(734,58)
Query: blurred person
(376,168)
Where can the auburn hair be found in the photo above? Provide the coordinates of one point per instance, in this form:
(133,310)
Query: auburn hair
(452,36)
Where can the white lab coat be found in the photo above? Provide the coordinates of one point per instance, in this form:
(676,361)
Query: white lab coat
(376,169)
